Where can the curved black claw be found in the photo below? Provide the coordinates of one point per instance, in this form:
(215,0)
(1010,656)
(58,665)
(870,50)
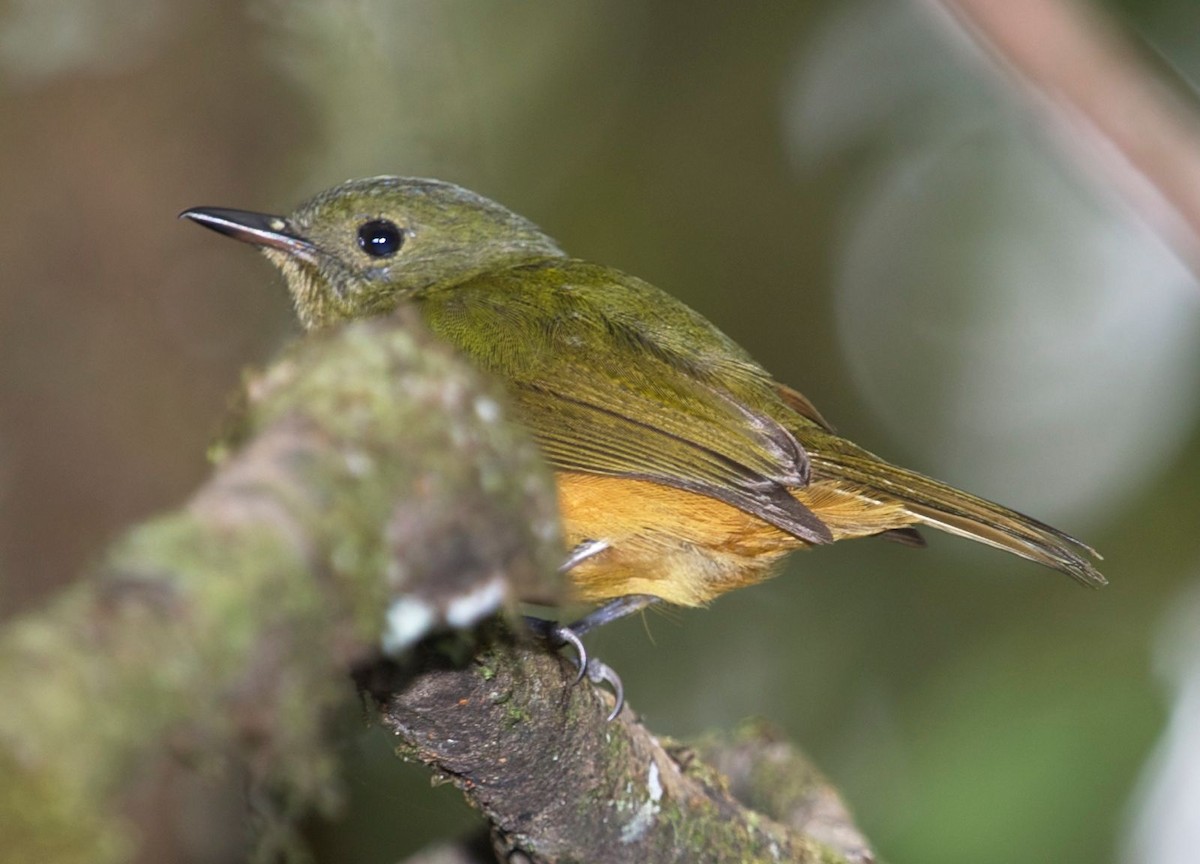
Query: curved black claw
(561,636)
(599,672)
(564,635)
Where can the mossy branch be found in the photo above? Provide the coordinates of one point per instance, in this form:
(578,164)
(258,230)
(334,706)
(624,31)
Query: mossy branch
(373,472)
(558,783)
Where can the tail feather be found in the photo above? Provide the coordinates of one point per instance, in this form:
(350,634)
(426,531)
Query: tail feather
(953,511)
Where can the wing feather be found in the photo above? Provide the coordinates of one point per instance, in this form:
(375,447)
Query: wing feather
(658,394)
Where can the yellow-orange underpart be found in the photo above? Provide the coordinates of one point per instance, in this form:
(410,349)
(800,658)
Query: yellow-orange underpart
(688,548)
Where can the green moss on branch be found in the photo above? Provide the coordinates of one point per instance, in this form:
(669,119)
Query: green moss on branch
(223,632)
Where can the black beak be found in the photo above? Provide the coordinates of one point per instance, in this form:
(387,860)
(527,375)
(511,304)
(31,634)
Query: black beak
(259,229)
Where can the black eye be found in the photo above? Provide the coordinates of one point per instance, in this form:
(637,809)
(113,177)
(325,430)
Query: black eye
(380,238)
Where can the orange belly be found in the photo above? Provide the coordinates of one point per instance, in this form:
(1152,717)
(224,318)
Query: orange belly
(680,546)
(688,548)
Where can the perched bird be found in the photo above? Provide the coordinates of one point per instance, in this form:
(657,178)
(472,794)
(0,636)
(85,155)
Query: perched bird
(684,470)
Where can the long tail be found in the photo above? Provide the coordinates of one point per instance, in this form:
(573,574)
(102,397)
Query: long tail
(925,501)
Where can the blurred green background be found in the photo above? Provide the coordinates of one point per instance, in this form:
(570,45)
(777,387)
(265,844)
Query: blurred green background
(840,187)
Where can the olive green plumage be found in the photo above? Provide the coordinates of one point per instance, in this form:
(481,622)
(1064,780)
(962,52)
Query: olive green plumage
(613,376)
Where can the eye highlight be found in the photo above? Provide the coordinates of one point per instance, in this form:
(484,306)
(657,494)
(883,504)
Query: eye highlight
(380,238)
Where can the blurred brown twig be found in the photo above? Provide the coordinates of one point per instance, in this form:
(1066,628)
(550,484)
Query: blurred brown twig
(1132,133)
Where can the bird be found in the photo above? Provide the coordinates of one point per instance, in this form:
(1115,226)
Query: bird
(683,469)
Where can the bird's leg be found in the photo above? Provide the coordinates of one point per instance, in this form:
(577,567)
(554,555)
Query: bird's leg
(596,670)
(558,634)
(582,552)
(611,611)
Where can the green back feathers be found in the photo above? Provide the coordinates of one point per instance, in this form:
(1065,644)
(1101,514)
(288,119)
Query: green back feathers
(615,377)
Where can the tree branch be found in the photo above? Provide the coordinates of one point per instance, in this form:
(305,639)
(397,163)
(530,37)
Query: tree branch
(1135,135)
(558,783)
(372,493)
(222,633)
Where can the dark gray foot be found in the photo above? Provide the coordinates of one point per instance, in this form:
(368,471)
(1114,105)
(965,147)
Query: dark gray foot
(611,611)
(596,670)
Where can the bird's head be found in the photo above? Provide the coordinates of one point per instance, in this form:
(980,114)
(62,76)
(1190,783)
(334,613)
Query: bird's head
(359,248)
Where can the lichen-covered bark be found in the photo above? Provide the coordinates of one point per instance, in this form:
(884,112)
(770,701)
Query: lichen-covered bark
(221,633)
(560,784)
(769,774)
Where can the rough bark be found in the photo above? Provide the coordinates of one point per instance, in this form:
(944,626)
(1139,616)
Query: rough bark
(558,783)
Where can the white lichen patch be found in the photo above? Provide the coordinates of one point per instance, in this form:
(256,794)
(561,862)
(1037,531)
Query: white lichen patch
(408,620)
(644,817)
(465,610)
